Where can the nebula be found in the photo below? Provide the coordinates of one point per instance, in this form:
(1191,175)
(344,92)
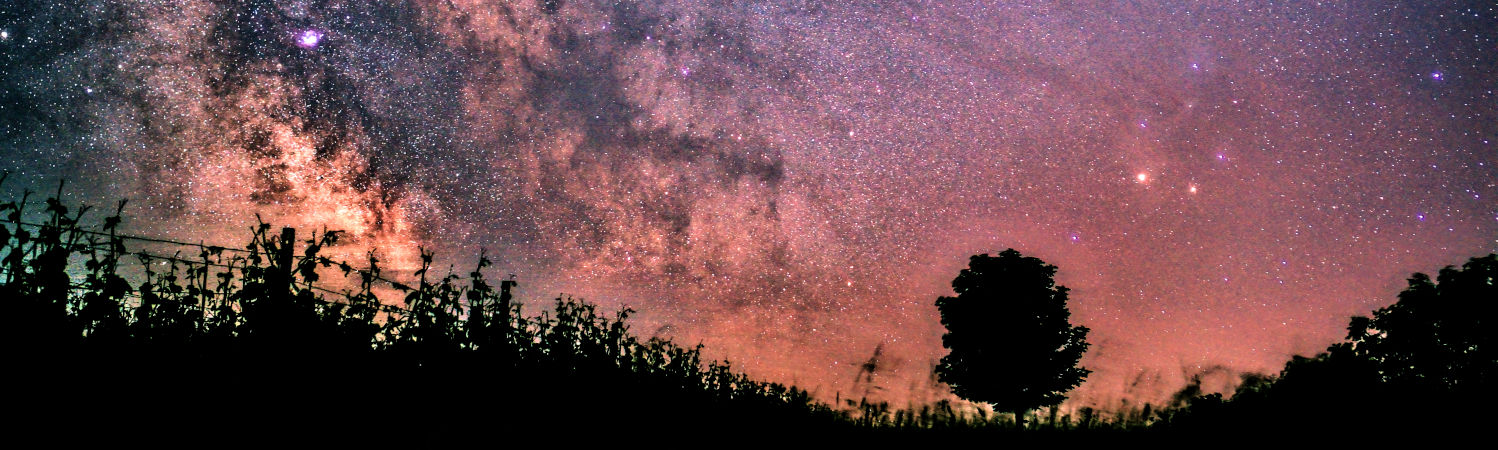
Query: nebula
(793,184)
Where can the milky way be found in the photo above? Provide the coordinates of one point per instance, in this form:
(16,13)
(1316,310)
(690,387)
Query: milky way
(1222,183)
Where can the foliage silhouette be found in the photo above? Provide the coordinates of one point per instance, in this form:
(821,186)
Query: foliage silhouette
(1008,331)
(273,338)
(1438,338)
(1427,360)
(251,337)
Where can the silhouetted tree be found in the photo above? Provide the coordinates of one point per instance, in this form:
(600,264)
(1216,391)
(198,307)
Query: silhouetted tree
(1439,337)
(1008,330)
(1428,358)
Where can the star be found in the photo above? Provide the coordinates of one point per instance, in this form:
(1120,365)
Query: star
(708,157)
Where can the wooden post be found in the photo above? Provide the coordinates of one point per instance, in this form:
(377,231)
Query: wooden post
(283,260)
(504,313)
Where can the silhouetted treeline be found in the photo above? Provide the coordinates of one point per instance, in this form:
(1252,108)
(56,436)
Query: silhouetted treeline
(230,338)
(1426,362)
(238,341)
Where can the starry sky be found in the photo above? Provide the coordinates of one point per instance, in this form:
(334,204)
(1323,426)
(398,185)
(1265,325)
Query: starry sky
(1222,183)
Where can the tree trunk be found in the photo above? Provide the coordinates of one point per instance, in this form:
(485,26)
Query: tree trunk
(1019,419)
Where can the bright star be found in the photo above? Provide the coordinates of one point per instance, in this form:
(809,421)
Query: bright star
(1142,177)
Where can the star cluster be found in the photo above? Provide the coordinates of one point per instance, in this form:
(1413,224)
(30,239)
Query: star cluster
(1222,183)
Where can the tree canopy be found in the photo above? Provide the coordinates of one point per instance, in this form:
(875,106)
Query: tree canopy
(1439,337)
(1425,362)
(1008,331)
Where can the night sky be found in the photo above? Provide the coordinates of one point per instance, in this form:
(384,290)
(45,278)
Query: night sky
(793,183)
